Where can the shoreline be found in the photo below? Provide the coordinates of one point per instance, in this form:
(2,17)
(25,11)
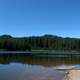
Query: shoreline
(73,74)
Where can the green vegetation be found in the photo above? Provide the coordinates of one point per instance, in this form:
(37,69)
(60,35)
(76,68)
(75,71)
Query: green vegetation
(46,42)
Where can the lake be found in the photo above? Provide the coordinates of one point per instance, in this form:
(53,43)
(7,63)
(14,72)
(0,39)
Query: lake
(23,67)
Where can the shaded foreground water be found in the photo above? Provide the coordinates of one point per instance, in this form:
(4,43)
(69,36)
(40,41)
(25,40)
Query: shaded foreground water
(22,67)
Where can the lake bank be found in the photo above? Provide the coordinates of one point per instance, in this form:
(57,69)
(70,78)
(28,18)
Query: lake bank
(73,74)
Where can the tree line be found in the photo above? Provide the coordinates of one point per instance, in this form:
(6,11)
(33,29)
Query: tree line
(45,42)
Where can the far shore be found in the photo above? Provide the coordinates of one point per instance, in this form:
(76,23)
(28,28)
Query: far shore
(42,53)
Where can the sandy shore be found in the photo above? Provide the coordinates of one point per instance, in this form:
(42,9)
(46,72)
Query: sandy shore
(73,74)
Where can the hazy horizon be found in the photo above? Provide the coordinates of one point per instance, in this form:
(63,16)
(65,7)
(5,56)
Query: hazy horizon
(40,35)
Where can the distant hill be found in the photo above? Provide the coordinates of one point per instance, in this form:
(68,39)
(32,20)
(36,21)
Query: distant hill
(45,42)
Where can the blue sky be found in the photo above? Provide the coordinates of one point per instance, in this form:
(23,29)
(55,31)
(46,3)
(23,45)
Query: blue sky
(38,17)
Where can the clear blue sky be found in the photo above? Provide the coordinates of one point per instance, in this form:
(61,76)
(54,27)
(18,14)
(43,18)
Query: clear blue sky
(38,17)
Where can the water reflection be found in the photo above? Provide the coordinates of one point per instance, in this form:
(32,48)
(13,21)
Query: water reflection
(21,67)
(18,71)
(39,60)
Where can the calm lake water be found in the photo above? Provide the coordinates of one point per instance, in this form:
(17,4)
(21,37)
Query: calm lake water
(22,67)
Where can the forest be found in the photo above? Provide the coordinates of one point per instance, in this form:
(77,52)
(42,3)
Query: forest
(45,42)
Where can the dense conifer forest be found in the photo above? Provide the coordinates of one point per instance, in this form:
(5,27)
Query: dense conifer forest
(45,42)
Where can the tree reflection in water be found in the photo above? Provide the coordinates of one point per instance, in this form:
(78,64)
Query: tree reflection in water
(38,60)
(41,60)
